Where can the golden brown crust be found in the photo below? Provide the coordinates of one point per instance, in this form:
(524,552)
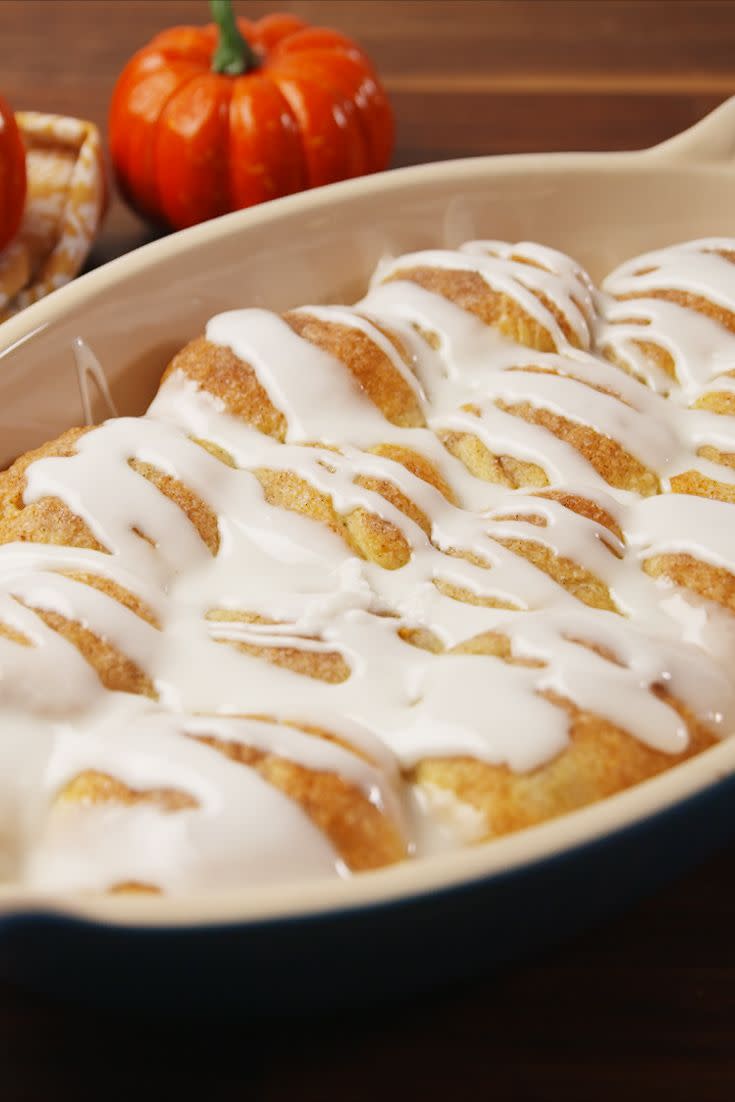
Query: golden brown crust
(469,597)
(503,470)
(689,301)
(471,292)
(654,353)
(396,498)
(718,401)
(693,482)
(496,645)
(369,366)
(14,636)
(585,507)
(115,670)
(417,464)
(134,887)
(599,388)
(329,666)
(580,582)
(600,760)
(93,788)
(617,466)
(221,373)
(714,583)
(362,835)
(197,511)
(370,536)
(48,520)
(112,589)
(423,638)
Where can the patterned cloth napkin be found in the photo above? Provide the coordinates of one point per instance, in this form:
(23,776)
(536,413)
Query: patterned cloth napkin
(65,204)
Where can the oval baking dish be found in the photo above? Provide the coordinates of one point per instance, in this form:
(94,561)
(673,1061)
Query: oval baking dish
(419,924)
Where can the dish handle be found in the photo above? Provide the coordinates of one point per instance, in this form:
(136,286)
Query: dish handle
(709,141)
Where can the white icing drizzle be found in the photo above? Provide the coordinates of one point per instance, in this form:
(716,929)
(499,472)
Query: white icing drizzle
(514,270)
(699,346)
(399,704)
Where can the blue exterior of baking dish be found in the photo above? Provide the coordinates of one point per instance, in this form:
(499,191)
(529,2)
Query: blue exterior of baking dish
(449,928)
(370,953)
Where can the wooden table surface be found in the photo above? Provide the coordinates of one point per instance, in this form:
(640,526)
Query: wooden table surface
(643,1008)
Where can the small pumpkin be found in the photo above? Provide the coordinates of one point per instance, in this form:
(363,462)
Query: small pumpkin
(12,175)
(205,120)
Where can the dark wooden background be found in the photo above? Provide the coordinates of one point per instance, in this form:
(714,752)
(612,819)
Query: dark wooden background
(641,1009)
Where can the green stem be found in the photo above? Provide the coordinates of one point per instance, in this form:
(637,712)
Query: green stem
(233,55)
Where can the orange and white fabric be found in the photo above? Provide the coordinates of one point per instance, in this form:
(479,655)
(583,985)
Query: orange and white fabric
(65,203)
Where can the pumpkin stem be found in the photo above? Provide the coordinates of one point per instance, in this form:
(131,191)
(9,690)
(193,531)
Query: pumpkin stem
(233,55)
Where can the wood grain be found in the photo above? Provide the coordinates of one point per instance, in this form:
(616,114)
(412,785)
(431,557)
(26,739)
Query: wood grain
(466,76)
(645,1007)
(640,1010)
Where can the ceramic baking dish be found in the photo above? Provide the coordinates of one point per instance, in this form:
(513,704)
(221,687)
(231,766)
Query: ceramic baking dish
(416,925)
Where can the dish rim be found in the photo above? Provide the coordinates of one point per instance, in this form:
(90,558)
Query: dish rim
(709,147)
(395,884)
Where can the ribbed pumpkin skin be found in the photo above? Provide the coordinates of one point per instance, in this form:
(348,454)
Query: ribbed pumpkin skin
(189,144)
(12,175)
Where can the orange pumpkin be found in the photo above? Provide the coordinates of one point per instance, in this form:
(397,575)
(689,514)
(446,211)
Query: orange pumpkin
(12,175)
(205,120)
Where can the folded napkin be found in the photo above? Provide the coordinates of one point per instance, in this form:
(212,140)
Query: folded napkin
(65,203)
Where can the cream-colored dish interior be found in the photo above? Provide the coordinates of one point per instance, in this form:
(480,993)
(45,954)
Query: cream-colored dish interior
(138,311)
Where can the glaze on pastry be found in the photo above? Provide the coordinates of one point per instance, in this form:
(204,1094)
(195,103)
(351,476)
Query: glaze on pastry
(370,581)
